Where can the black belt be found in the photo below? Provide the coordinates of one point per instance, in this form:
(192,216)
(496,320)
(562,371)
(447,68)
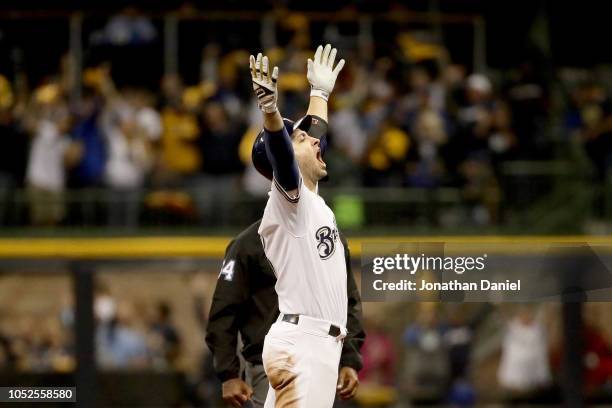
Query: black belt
(334,330)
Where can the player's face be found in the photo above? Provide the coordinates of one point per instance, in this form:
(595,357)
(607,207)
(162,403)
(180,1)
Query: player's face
(308,155)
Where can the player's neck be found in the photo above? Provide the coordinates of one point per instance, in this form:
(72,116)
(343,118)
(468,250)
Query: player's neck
(311,185)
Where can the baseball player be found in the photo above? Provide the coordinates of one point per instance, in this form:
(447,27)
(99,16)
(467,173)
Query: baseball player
(245,302)
(298,230)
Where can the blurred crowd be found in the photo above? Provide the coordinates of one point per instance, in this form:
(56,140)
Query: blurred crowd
(131,336)
(30,344)
(463,355)
(128,336)
(435,355)
(402,115)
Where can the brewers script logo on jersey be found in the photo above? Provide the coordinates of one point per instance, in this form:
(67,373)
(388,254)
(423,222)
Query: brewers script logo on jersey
(326,241)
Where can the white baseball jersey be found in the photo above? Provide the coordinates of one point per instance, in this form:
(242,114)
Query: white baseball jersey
(301,241)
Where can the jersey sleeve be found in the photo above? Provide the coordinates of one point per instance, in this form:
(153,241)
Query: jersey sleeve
(223,324)
(286,210)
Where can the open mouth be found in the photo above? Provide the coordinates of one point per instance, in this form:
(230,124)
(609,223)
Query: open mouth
(319,158)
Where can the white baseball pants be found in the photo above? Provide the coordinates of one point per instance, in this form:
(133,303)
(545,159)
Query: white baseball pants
(301,362)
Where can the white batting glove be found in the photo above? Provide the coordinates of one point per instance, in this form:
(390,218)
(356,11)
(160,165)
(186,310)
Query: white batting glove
(264,83)
(321,72)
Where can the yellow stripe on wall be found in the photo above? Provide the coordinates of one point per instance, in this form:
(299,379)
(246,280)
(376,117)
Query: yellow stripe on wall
(214,247)
(91,248)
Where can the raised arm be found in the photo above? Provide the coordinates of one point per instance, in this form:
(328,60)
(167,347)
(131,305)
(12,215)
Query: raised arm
(322,78)
(277,140)
(264,85)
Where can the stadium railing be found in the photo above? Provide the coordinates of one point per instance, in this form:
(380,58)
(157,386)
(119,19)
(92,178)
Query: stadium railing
(536,197)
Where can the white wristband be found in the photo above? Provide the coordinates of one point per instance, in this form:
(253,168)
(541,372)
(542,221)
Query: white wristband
(320,93)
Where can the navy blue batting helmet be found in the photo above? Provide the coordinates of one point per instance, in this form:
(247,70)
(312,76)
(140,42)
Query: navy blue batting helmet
(313,125)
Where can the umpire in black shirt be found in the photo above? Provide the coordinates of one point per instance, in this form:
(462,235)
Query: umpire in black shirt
(245,302)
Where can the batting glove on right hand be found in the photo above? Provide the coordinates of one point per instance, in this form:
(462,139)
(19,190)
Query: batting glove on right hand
(264,83)
(321,74)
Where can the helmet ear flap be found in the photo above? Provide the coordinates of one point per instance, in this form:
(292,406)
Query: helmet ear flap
(260,157)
